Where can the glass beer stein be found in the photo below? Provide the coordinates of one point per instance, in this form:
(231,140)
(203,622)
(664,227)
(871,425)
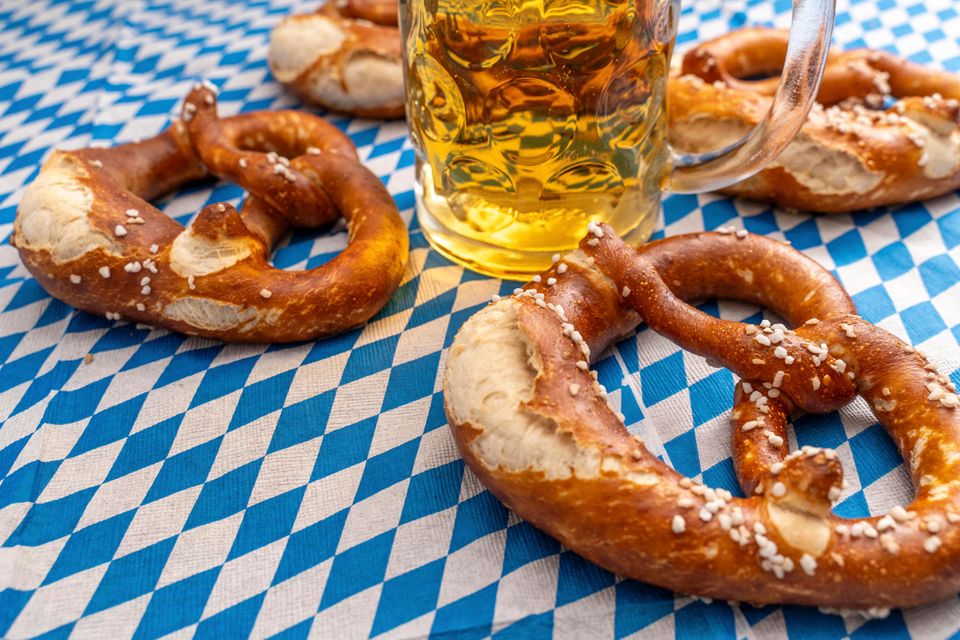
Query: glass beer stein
(532,118)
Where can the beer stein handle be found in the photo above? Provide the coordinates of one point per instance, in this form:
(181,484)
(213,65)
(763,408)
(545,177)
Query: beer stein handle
(810,35)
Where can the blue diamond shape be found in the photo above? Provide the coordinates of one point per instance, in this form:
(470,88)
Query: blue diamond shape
(387,469)
(525,544)
(469,618)
(808,622)
(939,274)
(72,406)
(411,381)
(820,430)
(90,546)
(408,595)
(219,381)
(302,421)
(261,398)
(874,304)
(109,425)
(232,622)
(847,248)
(639,605)
(176,605)
(922,322)
(186,469)
(145,448)
(724,476)
(579,578)
(310,546)
(344,448)
(874,454)
(224,496)
(369,359)
(892,261)
(433,490)
(684,454)
(266,522)
(131,576)
(663,379)
(701,620)
(476,517)
(47,521)
(533,627)
(893,626)
(711,396)
(357,569)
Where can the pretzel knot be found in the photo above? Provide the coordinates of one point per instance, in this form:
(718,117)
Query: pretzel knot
(536,426)
(86,230)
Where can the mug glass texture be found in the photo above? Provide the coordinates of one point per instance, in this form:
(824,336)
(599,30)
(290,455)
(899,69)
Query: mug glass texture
(531,119)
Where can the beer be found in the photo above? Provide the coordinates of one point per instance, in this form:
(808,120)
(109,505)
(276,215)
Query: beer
(532,118)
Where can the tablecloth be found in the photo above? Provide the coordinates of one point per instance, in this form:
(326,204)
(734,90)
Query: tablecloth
(157,485)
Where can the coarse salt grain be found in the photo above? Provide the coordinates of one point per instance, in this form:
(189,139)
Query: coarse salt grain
(679,525)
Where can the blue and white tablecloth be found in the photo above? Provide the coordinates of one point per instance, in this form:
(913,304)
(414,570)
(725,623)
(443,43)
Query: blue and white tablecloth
(178,486)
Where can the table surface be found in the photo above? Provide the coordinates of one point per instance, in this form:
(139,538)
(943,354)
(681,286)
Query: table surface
(185,486)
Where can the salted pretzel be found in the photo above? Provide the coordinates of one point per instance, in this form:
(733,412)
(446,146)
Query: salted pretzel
(86,230)
(885,131)
(532,421)
(345,57)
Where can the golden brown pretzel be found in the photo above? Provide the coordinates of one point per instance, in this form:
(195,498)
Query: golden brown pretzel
(852,153)
(86,231)
(534,424)
(344,57)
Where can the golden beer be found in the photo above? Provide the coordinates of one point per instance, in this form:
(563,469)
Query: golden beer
(532,119)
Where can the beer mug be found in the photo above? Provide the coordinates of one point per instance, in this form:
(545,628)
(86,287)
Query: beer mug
(533,118)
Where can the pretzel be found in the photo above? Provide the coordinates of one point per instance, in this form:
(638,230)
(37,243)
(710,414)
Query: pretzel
(344,57)
(852,153)
(86,231)
(534,424)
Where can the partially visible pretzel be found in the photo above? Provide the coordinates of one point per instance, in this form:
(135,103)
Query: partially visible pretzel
(345,57)
(853,153)
(535,425)
(86,231)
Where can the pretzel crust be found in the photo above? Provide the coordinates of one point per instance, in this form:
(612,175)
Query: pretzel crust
(86,231)
(344,57)
(535,426)
(852,153)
